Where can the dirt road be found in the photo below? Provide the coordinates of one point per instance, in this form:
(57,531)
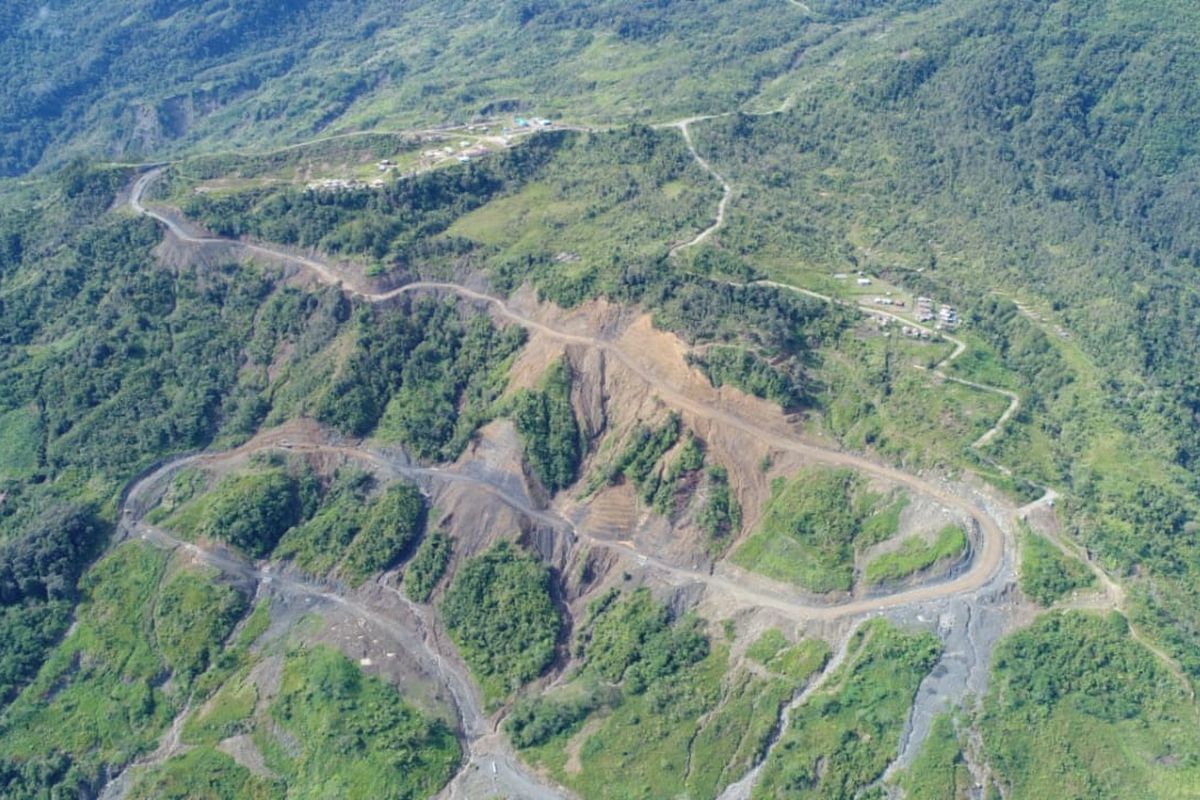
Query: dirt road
(960,347)
(726,189)
(982,567)
(486,752)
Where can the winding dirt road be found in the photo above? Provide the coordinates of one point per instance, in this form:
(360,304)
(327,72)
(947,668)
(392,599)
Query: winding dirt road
(486,751)
(490,756)
(960,347)
(726,189)
(988,556)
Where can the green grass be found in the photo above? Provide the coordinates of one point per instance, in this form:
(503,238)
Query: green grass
(149,635)
(641,749)
(686,736)
(184,486)
(873,399)
(203,773)
(884,523)
(848,731)
(580,205)
(939,771)
(735,735)
(1078,709)
(767,646)
(645,721)
(98,700)
(193,616)
(229,712)
(1048,574)
(915,555)
(239,654)
(331,731)
(793,661)
(20,441)
(351,735)
(811,528)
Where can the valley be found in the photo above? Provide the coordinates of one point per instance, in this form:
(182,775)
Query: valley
(973,606)
(736,399)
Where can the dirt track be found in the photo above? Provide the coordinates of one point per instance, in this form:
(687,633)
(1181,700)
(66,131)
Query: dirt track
(488,755)
(726,189)
(989,553)
(493,764)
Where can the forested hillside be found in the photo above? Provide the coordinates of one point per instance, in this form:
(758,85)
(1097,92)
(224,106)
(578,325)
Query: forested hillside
(139,80)
(529,398)
(1006,152)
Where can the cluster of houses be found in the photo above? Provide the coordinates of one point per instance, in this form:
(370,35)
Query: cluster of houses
(464,154)
(332,185)
(945,317)
(521,122)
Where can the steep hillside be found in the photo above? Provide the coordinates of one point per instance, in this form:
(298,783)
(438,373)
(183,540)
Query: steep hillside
(473,454)
(1034,164)
(142,80)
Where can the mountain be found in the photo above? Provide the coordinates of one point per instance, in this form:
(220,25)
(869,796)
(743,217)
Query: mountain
(143,80)
(761,399)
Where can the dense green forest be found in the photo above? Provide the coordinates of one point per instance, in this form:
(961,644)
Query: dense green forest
(501,613)
(547,424)
(156,76)
(998,151)
(1033,163)
(1077,709)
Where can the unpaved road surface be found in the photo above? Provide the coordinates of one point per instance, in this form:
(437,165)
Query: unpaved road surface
(726,189)
(983,566)
(954,603)
(383,608)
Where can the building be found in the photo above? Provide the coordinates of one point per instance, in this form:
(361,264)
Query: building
(864,281)
(947,316)
(924,309)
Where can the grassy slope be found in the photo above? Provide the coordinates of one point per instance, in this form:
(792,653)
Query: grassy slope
(688,735)
(1078,709)
(330,731)
(811,528)
(939,771)
(100,700)
(157,76)
(843,737)
(915,554)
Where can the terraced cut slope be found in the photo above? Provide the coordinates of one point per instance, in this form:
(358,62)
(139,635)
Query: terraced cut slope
(775,436)
(550,399)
